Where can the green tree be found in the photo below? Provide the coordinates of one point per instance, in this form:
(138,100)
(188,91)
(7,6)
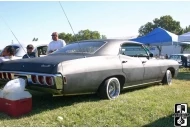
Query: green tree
(81,35)
(87,35)
(186,29)
(166,22)
(67,37)
(103,37)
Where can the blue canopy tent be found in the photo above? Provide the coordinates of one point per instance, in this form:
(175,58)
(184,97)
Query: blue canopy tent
(158,37)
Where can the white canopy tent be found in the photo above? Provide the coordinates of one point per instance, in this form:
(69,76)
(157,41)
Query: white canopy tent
(184,37)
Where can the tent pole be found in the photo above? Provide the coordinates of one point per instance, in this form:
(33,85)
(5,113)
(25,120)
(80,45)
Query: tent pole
(173,47)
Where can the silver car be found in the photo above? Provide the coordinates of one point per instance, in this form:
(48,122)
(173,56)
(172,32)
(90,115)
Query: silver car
(177,57)
(104,67)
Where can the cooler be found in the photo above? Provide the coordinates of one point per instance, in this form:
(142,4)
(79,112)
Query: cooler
(1,101)
(17,104)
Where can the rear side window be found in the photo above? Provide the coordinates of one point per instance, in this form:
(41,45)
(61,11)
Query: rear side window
(133,50)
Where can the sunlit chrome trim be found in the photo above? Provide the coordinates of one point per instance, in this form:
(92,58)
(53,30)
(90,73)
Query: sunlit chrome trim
(4,77)
(12,76)
(142,84)
(73,94)
(57,78)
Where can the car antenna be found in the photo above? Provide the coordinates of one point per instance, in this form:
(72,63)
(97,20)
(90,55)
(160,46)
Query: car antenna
(72,29)
(14,35)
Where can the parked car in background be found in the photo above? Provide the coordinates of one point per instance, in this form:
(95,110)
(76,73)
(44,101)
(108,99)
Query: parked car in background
(177,57)
(102,66)
(40,48)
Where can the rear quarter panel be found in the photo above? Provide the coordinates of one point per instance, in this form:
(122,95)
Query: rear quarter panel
(85,75)
(166,64)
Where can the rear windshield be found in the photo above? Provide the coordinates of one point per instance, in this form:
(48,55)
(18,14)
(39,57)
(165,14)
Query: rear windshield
(81,47)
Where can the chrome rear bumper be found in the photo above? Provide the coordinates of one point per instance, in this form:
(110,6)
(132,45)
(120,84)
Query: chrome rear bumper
(56,88)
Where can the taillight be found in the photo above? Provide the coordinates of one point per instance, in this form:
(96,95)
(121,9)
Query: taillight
(1,76)
(34,78)
(41,79)
(4,75)
(9,76)
(49,81)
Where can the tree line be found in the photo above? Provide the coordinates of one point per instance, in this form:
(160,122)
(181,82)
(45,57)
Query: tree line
(81,35)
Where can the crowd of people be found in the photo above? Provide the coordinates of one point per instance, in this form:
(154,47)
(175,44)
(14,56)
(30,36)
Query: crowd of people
(9,51)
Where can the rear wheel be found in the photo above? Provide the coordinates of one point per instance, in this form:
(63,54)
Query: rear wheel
(110,89)
(167,78)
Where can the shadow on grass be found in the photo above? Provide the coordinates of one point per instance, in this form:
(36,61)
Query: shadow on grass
(43,102)
(166,121)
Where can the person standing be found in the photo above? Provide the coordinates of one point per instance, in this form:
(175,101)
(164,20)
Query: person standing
(55,44)
(184,60)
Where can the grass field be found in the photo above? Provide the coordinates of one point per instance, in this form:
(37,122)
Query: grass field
(150,106)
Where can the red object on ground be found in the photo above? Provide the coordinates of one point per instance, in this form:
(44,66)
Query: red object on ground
(1,105)
(17,107)
(16,104)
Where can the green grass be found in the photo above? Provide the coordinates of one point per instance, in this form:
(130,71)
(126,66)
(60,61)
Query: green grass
(150,106)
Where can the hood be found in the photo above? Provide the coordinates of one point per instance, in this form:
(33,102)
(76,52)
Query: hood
(47,64)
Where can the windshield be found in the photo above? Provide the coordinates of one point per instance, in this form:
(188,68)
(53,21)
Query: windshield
(81,47)
(175,57)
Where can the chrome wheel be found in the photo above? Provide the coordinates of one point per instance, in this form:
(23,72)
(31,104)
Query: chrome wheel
(109,89)
(113,88)
(169,77)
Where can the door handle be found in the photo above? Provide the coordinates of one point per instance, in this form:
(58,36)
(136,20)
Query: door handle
(124,61)
(143,62)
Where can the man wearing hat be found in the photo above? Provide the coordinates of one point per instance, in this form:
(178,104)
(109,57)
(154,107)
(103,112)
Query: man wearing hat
(31,54)
(55,44)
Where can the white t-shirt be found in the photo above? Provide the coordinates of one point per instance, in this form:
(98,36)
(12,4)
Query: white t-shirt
(54,45)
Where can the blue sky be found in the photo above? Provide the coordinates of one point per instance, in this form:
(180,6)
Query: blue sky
(113,19)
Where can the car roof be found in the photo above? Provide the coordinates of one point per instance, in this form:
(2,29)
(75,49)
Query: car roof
(111,46)
(111,40)
(180,54)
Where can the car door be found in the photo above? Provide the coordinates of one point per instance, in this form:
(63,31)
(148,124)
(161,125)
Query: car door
(132,66)
(152,68)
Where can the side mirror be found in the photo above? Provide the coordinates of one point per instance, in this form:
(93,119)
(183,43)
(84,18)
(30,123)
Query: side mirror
(151,55)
